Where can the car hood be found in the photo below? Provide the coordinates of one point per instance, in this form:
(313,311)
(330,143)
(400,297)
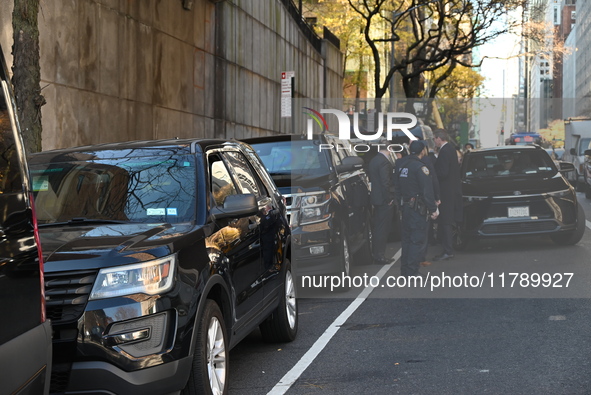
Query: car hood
(503,186)
(76,247)
(294,183)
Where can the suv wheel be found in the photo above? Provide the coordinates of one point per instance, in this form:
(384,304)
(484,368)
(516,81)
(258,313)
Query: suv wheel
(574,236)
(365,252)
(209,373)
(282,325)
(346,260)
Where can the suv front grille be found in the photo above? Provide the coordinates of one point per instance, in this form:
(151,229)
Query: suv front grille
(66,294)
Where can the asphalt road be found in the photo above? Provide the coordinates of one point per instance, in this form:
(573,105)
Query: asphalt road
(528,334)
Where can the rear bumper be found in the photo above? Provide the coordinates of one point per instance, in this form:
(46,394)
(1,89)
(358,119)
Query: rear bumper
(521,227)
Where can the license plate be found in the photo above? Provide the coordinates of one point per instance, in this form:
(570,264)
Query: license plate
(519,211)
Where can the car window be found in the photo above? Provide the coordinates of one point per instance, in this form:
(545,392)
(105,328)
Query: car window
(507,163)
(221,181)
(138,189)
(300,156)
(10,169)
(248,182)
(584,145)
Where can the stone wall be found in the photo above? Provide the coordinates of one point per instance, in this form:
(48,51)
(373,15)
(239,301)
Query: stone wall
(121,70)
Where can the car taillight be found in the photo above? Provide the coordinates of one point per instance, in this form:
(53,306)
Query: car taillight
(40,253)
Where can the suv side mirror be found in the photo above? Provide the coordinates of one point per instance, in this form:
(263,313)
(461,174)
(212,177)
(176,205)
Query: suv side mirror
(237,206)
(565,167)
(350,163)
(572,151)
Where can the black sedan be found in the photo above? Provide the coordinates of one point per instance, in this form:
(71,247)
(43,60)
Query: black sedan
(518,190)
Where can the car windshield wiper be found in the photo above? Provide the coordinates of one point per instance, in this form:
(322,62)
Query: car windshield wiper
(83,221)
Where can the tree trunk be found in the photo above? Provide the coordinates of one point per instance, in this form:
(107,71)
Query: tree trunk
(26,70)
(412,87)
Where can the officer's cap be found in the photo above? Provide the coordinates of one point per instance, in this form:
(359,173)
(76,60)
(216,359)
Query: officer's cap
(416,147)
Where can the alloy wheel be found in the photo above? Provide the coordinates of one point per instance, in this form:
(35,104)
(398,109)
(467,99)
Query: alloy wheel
(216,357)
(290,300)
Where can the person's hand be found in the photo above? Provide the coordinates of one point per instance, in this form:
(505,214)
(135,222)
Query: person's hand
(435,214)
(438,202)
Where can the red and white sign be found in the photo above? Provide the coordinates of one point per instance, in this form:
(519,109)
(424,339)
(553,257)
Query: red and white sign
(286,93)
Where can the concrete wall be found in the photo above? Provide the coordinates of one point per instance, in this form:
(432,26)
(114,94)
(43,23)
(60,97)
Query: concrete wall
(120,70)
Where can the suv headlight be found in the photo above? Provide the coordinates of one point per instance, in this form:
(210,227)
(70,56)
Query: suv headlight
(312,207)
(152,277)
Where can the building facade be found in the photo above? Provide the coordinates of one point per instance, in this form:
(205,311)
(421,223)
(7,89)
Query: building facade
(114,70)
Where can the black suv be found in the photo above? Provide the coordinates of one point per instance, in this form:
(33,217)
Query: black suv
(518,190)
(327,195)
(160,257)
(25,333)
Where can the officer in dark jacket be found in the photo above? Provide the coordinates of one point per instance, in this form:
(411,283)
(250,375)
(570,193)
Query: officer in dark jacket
(380,171)
(414,191)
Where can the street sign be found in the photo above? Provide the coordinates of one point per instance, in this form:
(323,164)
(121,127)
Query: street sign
(286,93)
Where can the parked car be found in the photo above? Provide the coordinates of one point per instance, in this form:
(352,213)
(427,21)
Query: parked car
(525,139)
(327,194)
(160,257)
(577,139)
(25,332)
(518,190)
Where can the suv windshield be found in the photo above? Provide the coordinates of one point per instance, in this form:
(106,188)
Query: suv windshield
(283,157)
(507,163)
(146,189)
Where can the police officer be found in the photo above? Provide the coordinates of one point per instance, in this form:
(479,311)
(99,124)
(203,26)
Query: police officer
(414,191)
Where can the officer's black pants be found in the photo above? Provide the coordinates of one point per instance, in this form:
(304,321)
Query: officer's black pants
(381,225)
(414,241)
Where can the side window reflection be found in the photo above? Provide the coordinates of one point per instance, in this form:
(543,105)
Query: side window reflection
(221,182)
(10,180)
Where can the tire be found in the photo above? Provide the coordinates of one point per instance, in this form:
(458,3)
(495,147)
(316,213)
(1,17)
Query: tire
(364,254)
(282,324)
(346,261)
(587,190)
(574,236)
(209,373)
(579,186)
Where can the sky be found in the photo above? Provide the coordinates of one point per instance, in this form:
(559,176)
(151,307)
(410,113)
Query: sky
(501,82)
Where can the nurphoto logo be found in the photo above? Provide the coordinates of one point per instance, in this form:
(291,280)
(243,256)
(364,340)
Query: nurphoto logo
(344,123)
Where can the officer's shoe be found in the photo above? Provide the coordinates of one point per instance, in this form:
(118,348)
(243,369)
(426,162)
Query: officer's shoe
(443,257)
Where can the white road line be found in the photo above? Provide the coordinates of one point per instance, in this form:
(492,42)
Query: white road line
(290,377)
(588,223)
